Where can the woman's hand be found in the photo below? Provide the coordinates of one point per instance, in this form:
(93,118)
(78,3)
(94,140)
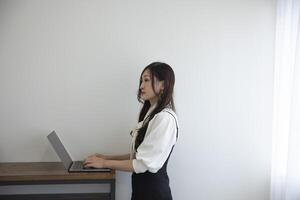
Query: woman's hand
(98,162)
(94,161)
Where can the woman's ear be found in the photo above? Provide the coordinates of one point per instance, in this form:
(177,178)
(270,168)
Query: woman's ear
(162,85)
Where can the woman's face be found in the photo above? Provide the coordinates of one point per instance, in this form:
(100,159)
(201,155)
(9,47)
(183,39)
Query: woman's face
(147,92)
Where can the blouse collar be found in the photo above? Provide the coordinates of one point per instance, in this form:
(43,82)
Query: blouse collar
(150,110)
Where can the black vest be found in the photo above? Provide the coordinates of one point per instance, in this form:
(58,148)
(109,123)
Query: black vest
(152,186)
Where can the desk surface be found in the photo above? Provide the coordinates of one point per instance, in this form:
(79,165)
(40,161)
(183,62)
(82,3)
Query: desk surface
(46,171)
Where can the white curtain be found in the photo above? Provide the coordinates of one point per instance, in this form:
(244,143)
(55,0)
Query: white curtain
(285,176)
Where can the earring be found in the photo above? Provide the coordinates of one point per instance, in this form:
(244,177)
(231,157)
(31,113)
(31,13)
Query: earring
(161,93)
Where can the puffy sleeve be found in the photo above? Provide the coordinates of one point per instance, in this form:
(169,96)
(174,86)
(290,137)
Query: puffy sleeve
(157,144)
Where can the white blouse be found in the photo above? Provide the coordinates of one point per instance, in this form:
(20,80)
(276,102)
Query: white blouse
(157,144)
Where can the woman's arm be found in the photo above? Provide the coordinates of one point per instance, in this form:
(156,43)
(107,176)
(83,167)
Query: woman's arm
(98,162)
(115,157)
(123,165)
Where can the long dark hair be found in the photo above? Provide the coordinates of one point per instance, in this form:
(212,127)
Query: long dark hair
(162,72)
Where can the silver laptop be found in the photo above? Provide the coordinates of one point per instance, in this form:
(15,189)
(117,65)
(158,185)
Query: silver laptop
(71,166)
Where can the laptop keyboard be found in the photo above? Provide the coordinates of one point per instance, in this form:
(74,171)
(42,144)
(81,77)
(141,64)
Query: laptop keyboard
(78,165)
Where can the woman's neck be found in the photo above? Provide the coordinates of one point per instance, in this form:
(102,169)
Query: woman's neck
(153,101)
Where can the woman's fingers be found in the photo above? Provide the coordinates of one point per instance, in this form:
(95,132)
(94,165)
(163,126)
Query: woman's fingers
(94,161)
(89,165)
(88,160)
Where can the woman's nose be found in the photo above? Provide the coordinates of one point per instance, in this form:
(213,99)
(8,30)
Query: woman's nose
(142,86)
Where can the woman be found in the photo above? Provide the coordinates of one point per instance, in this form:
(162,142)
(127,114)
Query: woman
(153,138)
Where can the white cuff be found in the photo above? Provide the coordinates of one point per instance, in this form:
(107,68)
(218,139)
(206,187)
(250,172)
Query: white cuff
(138,166)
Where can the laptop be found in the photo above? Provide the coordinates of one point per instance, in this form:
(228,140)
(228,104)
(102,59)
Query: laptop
(71,166)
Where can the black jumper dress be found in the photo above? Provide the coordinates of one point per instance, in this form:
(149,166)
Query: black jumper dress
(152,186)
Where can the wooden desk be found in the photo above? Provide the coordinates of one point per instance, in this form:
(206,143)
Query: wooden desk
(37,173)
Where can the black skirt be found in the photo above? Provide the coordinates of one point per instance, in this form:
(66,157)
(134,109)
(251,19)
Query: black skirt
(151,186)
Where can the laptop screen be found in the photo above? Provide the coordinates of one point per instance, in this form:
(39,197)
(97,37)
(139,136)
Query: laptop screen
(60,149)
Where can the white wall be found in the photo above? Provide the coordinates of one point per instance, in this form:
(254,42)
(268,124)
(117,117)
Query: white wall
(73,67)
